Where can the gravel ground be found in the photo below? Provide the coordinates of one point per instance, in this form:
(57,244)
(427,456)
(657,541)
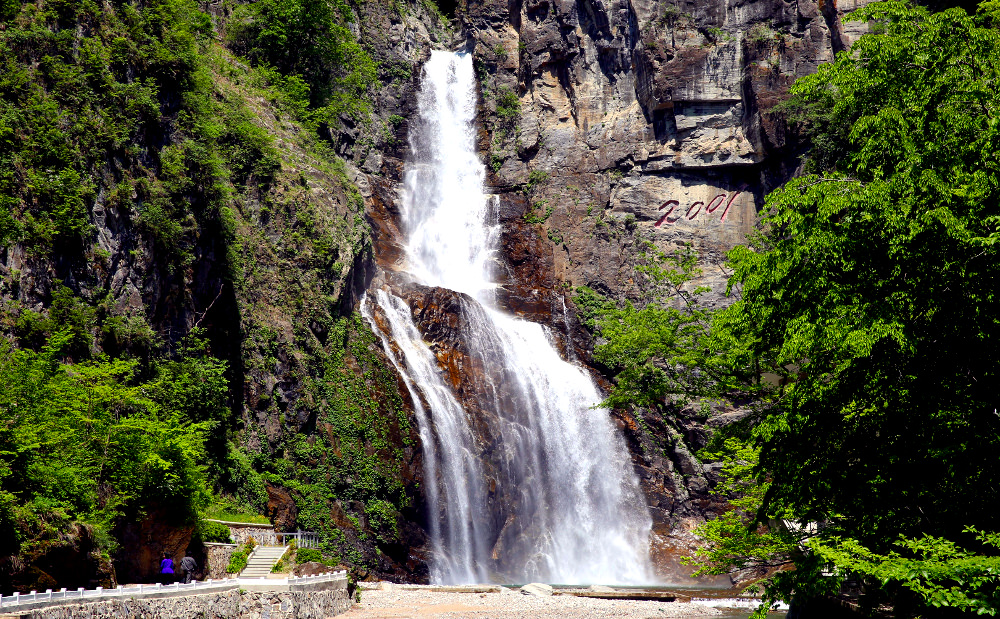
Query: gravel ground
(395,604)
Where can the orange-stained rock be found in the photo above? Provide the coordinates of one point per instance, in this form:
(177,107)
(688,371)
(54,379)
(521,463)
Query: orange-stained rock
(281,508)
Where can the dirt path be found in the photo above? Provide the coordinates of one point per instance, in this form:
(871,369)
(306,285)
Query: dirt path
(395,604)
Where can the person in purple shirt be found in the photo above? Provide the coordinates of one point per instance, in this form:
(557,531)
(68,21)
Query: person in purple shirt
(166,569)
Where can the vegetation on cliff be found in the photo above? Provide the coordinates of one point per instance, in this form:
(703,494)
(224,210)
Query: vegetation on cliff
(866,327)
(100,425)
(306,49)
(179,240)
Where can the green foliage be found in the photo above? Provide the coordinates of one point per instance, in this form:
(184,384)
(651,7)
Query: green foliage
(248,486)
(737,540)
(760,33)
(357,453)
(592,306)
(868,324)
(383,517)
(308,555)
(496,161)
(943,574)
(88,441)
(66,313)
(216,532)
(129,334)
(306,50)
(195,386)
(115,105)
(717,35)
(508,107)
(535,178)
(238,560)
(653,348)
(121,108)
(99,440)
(249,149)
(81,86)
(284,564)
(533,217)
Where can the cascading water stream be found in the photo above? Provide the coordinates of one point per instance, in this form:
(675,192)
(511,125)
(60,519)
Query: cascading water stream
(571,510)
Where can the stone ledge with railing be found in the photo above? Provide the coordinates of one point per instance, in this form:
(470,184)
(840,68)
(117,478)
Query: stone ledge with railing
(34,600)
(242,531)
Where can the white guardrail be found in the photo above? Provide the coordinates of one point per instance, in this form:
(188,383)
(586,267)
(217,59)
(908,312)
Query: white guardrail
(64,596)
(303,539)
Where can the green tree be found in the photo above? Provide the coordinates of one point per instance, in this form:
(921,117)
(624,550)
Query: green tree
(308,52)
(86,442)
(870,298)
(655,347)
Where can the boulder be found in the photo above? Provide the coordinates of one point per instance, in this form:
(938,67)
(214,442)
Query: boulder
(536,588)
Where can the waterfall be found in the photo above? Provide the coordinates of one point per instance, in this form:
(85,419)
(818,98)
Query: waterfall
(543,489)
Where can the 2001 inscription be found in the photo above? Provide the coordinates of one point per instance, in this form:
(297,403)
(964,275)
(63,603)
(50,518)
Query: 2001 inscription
(696,208)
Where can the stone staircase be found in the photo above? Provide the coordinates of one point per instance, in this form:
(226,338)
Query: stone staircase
(260,562)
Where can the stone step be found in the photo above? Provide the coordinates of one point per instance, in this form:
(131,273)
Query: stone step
(262,560)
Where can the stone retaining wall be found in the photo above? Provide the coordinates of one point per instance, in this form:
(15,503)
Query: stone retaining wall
(229,605)
(263,535)
(218,559)
(242,531)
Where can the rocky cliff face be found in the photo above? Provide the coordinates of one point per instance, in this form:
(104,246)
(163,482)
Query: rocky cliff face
(610,125)
(652,120)
(605,124)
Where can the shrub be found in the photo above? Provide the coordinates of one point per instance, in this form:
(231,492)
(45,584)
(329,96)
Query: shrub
(384,519)
(214,532)
(760,33)
(237,561)
(508,105)
(532,216)
(308,555)
(535,178)
(91,444)
(309,40)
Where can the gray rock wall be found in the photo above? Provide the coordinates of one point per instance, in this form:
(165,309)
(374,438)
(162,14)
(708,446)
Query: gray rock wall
(653,118)
(637,122)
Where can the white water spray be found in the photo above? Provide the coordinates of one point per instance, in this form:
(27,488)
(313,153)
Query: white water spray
(549,492)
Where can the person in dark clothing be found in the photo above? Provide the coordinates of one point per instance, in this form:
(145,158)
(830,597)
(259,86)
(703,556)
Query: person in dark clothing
(166,569)
(189,565)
